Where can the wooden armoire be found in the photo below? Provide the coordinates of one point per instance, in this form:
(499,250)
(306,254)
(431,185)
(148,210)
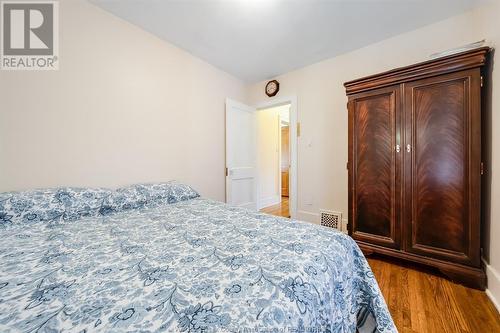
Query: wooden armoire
(415,164)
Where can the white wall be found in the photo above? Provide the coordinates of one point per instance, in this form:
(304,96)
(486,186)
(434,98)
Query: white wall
(322,113)
(124,107)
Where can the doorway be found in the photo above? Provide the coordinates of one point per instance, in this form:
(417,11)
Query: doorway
(261,155)
(273,156)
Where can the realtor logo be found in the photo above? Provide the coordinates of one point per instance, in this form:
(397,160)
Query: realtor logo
(29,35)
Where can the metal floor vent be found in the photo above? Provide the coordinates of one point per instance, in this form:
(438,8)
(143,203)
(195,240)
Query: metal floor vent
(331,219)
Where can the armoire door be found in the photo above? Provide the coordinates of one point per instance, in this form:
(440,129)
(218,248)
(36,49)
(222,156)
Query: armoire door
(442,173)
(374,150)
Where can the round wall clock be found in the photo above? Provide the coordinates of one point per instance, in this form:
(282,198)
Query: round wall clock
(272,88)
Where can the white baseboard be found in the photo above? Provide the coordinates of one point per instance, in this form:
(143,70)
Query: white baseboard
(344,225)
(307,216)
(269,201)
(493,290)
(492,299)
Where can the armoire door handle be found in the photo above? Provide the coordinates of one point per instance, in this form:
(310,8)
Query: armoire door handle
(398,148)
(408,148)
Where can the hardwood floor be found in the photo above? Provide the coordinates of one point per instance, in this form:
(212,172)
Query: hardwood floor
(421,300)
(281,209)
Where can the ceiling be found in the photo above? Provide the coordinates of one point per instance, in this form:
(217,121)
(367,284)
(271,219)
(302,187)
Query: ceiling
(256,40)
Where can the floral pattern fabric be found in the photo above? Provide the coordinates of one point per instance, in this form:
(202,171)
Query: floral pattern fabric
(69,203)
(192,266)
(50,204)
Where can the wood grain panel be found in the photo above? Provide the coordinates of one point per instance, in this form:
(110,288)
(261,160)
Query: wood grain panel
(440,152)
(439,111)
(374,167)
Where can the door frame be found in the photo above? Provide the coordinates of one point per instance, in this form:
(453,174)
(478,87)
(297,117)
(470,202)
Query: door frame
(278,101)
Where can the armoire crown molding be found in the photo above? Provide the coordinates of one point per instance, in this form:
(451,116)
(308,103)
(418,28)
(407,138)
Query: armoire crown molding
(444,65)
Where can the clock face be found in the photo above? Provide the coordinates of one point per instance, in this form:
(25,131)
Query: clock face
(272,88)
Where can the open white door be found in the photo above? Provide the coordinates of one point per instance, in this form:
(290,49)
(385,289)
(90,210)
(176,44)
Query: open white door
(241,155)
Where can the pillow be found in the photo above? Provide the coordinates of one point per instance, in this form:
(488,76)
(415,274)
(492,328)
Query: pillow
(181,192)
(29,207)
(155,192)
(71,203)
(140,195)
(81,202)
(50,204)
(125,198)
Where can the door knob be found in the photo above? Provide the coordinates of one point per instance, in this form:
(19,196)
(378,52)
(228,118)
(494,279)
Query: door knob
(398,148)
(408,148)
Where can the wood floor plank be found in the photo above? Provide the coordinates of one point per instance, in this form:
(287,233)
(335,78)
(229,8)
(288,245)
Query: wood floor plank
(281,209)
(424,301)
(404,299)
(452,305)
(478,310)
(416,301)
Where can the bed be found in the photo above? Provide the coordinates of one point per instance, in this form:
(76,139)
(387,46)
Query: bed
(158,257)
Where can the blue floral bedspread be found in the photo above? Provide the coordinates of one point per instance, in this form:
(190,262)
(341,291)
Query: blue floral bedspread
(192,266)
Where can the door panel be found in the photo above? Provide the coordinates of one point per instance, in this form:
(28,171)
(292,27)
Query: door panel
(241,147)
(284,183)
(439,133)
(373,166)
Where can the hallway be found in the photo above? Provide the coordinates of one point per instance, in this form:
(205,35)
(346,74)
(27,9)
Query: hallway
(281,209)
